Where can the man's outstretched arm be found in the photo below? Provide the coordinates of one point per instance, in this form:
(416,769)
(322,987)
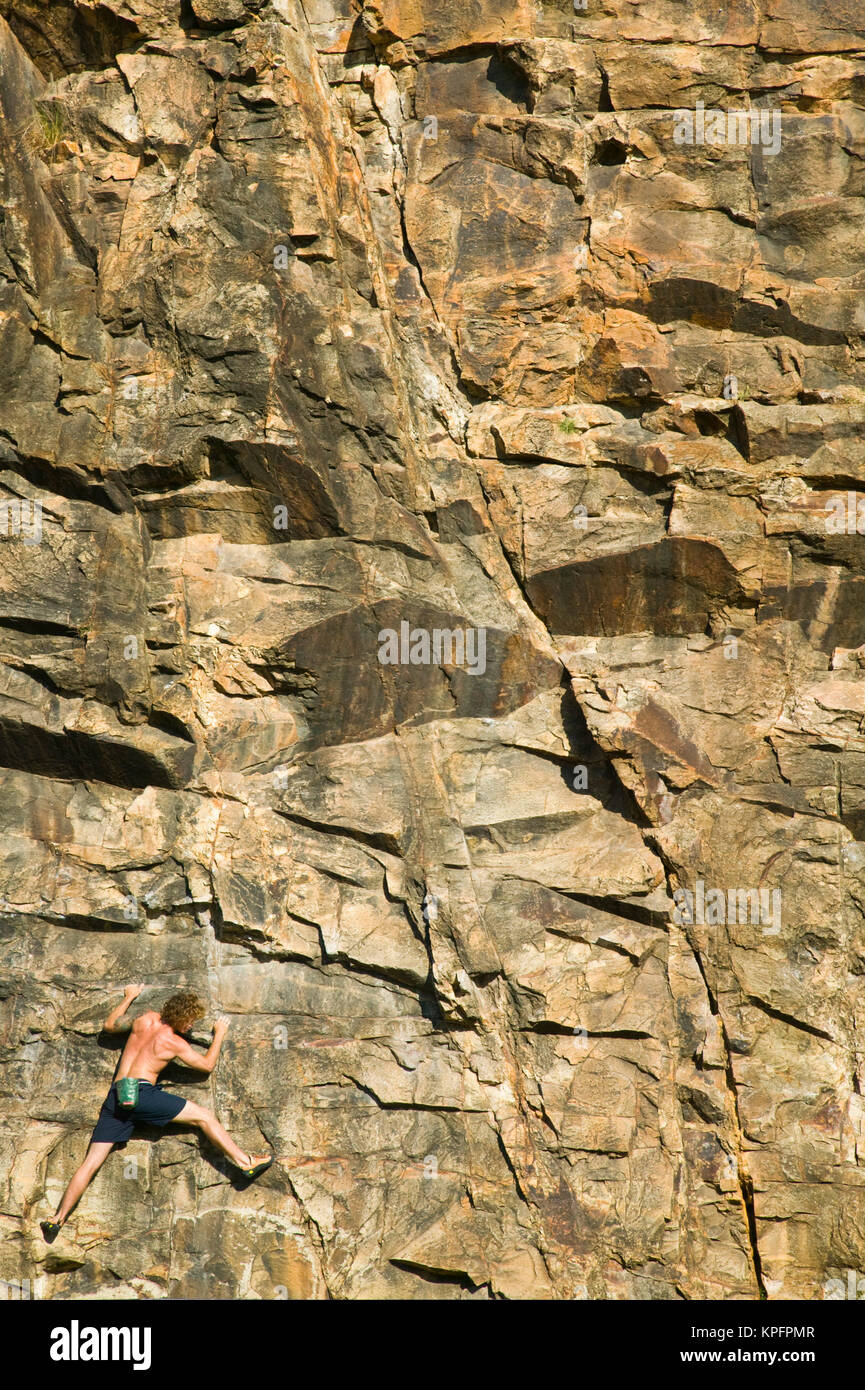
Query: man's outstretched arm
(110,1024)
(203,1061)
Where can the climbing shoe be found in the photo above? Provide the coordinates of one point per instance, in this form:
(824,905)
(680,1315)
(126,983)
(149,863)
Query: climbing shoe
(50,1230)
(258,1167)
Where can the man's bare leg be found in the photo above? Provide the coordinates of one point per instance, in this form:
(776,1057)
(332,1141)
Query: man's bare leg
(193,1114)
(81,1179)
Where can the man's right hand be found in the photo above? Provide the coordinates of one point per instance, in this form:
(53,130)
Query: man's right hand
(221,1026)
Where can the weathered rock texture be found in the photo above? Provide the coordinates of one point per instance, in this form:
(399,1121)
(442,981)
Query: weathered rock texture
(436,280)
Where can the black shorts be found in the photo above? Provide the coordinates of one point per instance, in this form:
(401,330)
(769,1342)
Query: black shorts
(116,1122)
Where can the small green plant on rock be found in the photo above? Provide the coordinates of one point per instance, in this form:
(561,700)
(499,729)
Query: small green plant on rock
(50,129)
(567,426)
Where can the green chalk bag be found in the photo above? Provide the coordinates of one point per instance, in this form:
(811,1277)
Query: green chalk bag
(127,1090)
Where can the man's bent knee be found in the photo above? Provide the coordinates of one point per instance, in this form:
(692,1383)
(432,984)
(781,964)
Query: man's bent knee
(191,1114)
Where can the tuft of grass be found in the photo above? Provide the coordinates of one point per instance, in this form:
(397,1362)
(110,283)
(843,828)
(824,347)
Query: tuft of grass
(567,426)
(50,129)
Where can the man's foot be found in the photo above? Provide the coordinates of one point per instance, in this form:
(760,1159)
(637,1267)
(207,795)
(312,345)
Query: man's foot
(50,1230)
(257,1164)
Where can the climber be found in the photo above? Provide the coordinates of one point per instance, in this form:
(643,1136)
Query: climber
(155,1040)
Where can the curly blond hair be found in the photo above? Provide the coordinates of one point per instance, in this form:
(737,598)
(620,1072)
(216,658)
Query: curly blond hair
(181,1011)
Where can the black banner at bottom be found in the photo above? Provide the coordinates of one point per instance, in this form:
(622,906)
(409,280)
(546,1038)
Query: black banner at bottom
(165,1337)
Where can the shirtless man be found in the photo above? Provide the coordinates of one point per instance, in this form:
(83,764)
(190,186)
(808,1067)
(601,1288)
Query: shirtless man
(155,1040)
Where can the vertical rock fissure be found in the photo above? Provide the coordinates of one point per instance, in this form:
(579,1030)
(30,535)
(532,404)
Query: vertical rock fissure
(746,1182)
(743,1177)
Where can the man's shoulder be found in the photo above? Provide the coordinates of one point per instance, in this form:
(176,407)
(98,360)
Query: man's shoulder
(146,1021)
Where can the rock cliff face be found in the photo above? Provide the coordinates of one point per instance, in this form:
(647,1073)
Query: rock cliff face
(432,622)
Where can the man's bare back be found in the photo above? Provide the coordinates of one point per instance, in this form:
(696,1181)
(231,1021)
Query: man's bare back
(151,1046)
